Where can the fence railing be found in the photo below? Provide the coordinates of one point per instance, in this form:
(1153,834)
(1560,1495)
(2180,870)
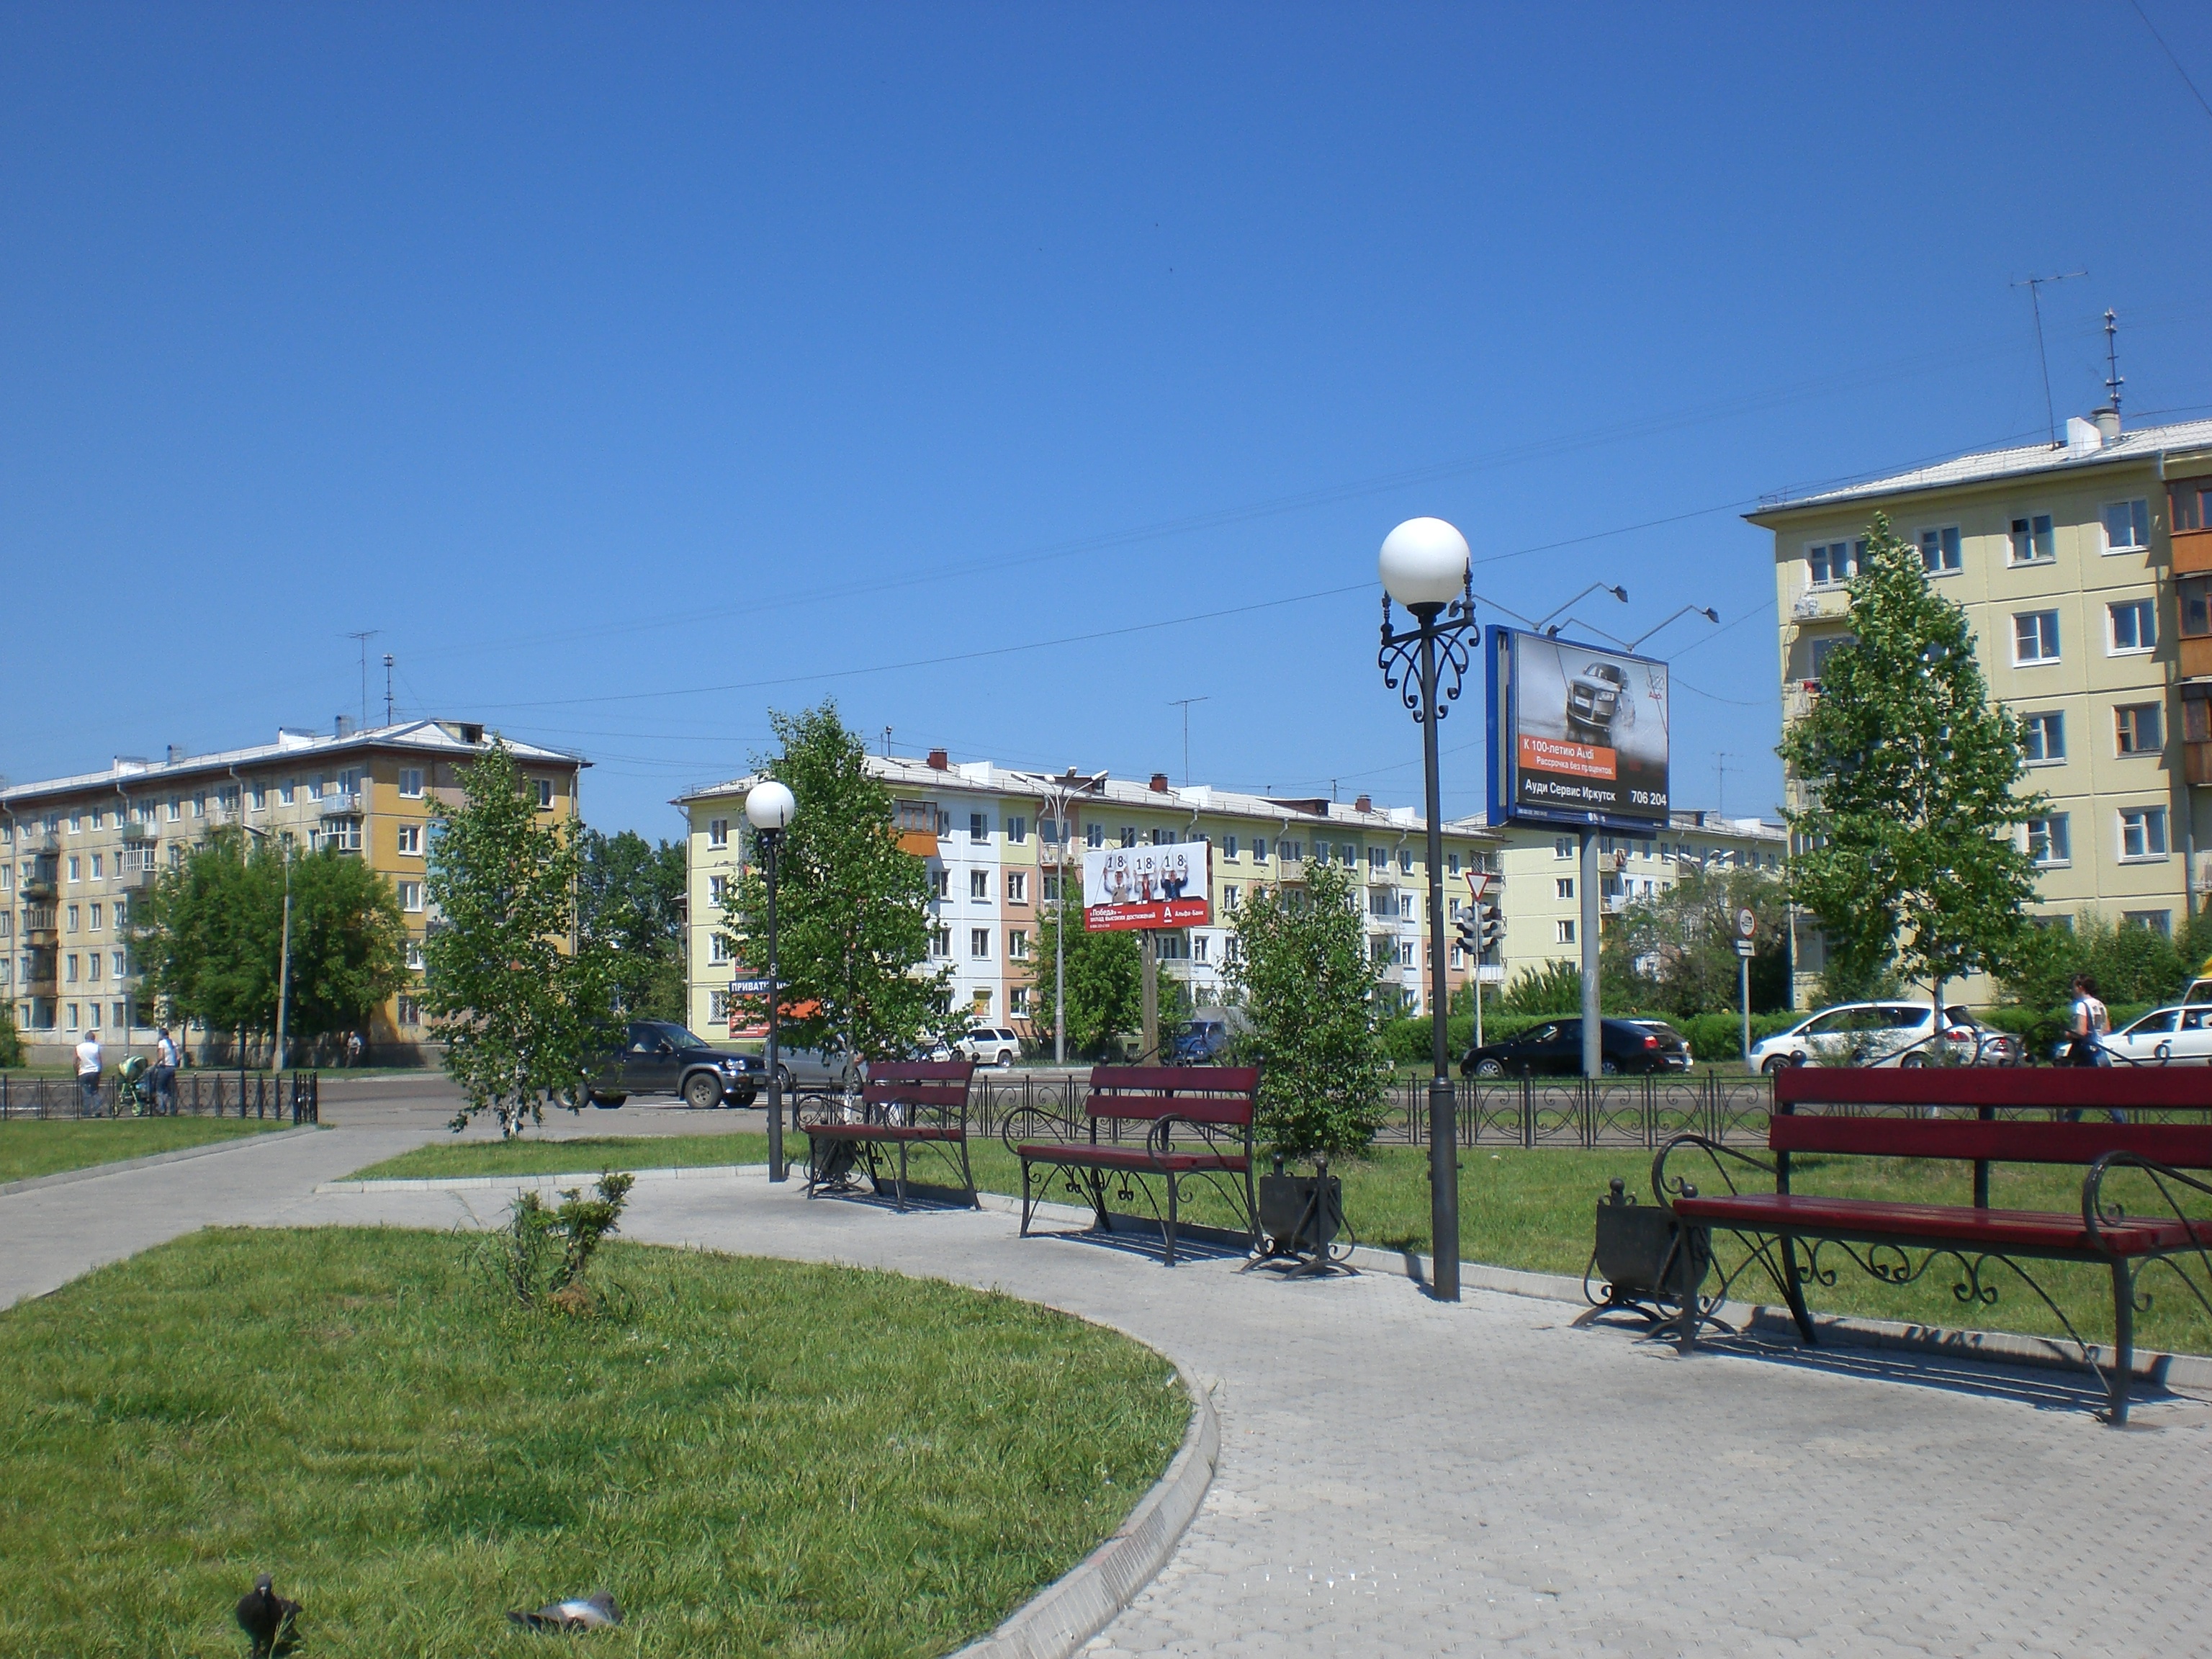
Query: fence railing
(296,1096)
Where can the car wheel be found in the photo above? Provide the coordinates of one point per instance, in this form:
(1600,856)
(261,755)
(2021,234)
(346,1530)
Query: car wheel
(1490,1069)
(1774,1064)
(743,1097)
(783,1081)
(702,1091)
(610,1102)
(1006,1059)
(1913,1062)
(1609,1068)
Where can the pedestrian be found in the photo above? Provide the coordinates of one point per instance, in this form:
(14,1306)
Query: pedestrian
(164,1078)
(353,1048)
(87,1074)
(2088,1022)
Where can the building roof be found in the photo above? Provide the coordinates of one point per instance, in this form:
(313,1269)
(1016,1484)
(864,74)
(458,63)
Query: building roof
(899,773)
(2083,452)
(436,738)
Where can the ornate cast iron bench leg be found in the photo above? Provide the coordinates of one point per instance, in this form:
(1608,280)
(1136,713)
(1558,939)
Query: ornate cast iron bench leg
(1025,1199)
(2124,1342)
(1793,1291)
(1170,1260)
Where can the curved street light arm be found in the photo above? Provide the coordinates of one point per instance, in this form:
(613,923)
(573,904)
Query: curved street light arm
(1705,610)
(1613,588)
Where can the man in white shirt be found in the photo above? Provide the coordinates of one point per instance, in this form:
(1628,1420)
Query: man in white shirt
(87,1070)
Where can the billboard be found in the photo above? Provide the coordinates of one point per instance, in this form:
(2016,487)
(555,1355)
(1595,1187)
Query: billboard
(1578,735)
(1148,886)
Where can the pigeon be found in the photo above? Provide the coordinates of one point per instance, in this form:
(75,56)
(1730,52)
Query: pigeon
(577,1613)
(267,1618)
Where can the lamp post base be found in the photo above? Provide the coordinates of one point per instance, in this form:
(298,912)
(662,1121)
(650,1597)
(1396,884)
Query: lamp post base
(1443,1190)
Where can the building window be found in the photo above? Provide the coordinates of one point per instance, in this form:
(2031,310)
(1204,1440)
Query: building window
(544,794)
(979,884)
(979,943)
(2142,833)
(2035,637)
(410,1012)
(96,919)
(2157,921)
(2127,527)
(2043,738)
(1562,847)
(1378,860)
(410,783)
(1017,887)
(283,793)
(1229,895)
(1259,849)
(2033,540)
(118,962)
(1018,944)
(940,884)
(940,942)
(1228,847)
(2139,729)
(2047,840)
(71,914)
(1405,860)
(979,826)
(344,835)
(1018,1002)
(260,798)
(74,867)
(92,967)
(68,968)
(1128,835)
(718,889)
(718,948)
(1563,886)
(2134,625)
(2195,596)
(410,840)
(415,956)
(72,1023)
(1939,550)
(1830,563)
(718,832)
(2192,503)
(1094,835)
(1018,830)
(98,870)
(1292,851)
(410,896)
(1051,894)
(1563,931)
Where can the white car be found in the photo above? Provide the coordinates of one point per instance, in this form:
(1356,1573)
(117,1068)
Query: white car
(1883,1033)
(989,1045)
(2179,1036)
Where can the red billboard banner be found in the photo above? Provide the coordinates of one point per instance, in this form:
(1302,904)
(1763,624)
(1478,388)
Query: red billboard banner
(1164,912)
(1574,760)
(1147,887)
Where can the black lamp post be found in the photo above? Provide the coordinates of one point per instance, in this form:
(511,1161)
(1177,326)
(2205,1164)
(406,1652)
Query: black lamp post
(770,808)
(1423,567)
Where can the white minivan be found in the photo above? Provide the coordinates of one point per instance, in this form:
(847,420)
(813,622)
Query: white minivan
(1883,1033)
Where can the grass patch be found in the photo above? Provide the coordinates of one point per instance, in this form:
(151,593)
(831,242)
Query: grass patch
(585,1154)
(50,1145)
(754,1457)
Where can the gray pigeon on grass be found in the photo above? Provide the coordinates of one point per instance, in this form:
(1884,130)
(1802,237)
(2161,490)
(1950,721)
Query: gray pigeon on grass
(268,1619)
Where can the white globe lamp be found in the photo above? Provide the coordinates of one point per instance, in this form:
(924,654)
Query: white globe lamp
(770,806)
(1424,565)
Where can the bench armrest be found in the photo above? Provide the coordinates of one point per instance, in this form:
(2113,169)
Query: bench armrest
(1667,1188)
(1033,1123)
(2097,1214)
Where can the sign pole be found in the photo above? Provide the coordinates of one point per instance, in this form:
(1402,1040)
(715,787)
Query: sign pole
(1593,1025)
(1746,924)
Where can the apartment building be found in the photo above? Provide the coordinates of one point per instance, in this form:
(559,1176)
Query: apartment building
(999,842)
(2085,569)
(77,853)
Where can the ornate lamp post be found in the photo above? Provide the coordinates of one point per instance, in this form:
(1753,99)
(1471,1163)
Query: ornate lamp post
(770,808)
(1424,566)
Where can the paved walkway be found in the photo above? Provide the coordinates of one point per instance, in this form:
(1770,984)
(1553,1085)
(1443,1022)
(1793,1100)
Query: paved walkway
(1401,1477)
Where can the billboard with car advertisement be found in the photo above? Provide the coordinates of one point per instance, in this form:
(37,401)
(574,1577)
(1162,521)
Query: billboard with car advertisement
(1147,887)
(1579,734)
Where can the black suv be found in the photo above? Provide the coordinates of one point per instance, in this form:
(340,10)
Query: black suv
(1556,1047)
(658,1058)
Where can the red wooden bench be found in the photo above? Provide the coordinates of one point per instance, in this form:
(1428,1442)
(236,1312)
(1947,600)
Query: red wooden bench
(1211,1107)
(903,1104)
(1895,1114)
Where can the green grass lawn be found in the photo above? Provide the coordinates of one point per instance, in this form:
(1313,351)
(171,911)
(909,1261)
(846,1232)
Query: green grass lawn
(585,1153)
(47,1147)
(755,1457)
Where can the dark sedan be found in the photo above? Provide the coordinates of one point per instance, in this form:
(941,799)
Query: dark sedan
(1555,1047)
(659,1057)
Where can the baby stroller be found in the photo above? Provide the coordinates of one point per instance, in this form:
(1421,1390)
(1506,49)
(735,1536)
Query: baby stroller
(132,1088)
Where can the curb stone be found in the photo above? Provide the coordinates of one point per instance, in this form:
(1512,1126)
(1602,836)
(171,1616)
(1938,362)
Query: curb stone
(1068,1612)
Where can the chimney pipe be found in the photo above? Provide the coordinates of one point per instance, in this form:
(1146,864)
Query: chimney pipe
(1363,805)
(939,759)
(2108,424)
(1159,783)
(342,727)
(176,754)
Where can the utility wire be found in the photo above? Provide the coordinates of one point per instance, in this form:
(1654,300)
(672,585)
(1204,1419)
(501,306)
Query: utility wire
(2171,59)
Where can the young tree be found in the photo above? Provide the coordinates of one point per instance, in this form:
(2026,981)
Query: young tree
(1676,952)
(1105,990)
(11,1044)
(852,905)
(1909,775)
(522,1016)
(1304,976)
(631,900)
(348,942)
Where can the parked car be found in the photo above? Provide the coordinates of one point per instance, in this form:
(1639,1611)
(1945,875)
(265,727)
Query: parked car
(2165,1036)
(1199,1043)
(1885,1034)
(1556,1047)
(816,1068)
(989,1045)
(659,1057)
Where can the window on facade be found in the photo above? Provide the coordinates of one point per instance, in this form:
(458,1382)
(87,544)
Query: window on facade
(979,884)
(1383,902)
(1051,893)
(1831,563)
(72,915)
(1228,847)
(1295,851)
(2034,540)
(940,942)
(119,962)
(344,835)
(1405,860)
(940,884)
(2127,527)
(978,942)
(1128,835)
(2195,593)
(1094,835)
(415,956)
(92,967)
(284,792)
(718,832)
(2157,921)
(2134,625)
(1018,944)
(1230,894)
(979,826)
(1017,830)
(2139,728)
(260,797)
(2042,737)
(1562,847)
(96,914)
(1017,887)
(2195,721)
(410,840)
(544,794)
(410,896)
(410,783)
(69,969)
(75,867)
(410,1012)
(99,867)
(719,948)
(2142,833)
(1347,854)
(2035,637)
(1826,647)
(718,889)
(1563,887)
(1017,1000)
(1563,931)
(1939,550)
(1259,849)
(2047,840)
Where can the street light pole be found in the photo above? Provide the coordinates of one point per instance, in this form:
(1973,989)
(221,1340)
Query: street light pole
(283,963)
(770,808)
(1424,566)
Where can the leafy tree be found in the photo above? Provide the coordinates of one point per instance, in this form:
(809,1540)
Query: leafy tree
(1557,988)
(11,1044)
(1304,975)
(1675,953)
(852,906)
(2129,964)
(522,1016)
(1909,775)
(629,899)
(348,943)
(1105,989)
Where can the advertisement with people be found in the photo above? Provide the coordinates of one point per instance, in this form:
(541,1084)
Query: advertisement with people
(1147,886)
(1578,734)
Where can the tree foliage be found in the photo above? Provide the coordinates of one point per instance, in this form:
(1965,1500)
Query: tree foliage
(1105,983)
(1304,976)
(1909,775)
(11,1042)
(522,1017)
(852,906)
(2129,964)
(210,939)
(629,901)
(1676,952)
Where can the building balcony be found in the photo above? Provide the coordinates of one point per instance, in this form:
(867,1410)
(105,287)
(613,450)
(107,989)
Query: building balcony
(1822,604)
(137,830)
(2192,551)
(2195,656)
(39,885)
(343,806)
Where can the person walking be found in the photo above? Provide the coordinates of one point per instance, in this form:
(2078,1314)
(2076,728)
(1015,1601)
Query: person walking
(2089,1021)
(87,1074)
(164,1078)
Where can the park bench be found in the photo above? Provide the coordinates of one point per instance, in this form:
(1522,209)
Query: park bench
(1905,1114)
(904,1105)
(1210,1108)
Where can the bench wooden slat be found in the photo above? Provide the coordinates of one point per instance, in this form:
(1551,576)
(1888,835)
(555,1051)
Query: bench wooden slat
(1180,1079)
(2184,1146)
(1878,1218)
(2058,1088)
(1199,1108)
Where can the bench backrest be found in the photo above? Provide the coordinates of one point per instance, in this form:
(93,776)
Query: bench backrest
(2183,1145)
(2058,1088)
(934,1083)
(1205,1094)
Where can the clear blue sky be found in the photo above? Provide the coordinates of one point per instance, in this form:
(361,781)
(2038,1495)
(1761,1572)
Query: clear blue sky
(598,355)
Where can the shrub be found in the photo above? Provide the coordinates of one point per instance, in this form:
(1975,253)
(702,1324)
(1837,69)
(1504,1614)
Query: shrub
(1718,1038)
(11,1045)
(541,1254)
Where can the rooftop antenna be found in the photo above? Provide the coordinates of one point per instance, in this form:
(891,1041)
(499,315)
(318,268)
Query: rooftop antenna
(1720,786)
(1184,704)
(2113,380)
(2035,287)
(387,687)
(887,743)
(364,637)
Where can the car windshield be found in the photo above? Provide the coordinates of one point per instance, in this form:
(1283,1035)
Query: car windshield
(681,1038)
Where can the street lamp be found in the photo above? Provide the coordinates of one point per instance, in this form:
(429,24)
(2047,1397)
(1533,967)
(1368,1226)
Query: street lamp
(770,808)
(1425,567)
(284,959)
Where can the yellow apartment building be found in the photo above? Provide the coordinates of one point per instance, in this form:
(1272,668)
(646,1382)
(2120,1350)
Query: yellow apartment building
(76,853)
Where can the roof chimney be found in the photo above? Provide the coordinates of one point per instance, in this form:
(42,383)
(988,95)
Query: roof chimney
(2108,425)
(1159,783)
(176,754)
(939,759)
(342,727)
(1363,805)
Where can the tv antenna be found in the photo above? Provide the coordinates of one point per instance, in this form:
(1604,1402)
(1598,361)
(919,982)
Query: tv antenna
(1720,784)
(2035,287)
(2112,380)
(387,687)
(1184,704)
(364,637)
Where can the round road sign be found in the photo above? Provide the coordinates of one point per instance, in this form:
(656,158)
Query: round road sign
(1745,923)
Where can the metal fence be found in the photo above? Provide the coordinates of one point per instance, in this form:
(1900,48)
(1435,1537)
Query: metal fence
(197,1093)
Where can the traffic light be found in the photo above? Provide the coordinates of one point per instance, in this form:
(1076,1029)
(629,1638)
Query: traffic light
(1469,928)
(1493,922)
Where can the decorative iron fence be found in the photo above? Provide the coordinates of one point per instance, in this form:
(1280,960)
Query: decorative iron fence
(196,1093)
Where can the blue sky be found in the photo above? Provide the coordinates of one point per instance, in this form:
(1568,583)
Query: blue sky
(635,370)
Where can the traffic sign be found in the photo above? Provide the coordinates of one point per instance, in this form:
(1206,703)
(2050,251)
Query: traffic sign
(1744,947)
(1745,923)
(749,987)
